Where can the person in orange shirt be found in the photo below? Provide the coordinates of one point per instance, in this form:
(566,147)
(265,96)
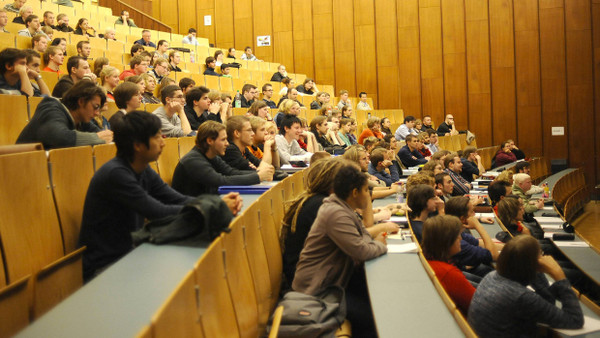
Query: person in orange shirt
(373,129)
(54,58)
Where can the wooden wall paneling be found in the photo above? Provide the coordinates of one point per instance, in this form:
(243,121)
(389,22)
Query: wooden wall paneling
(283,49)
(302,28)
(204,7)
(580,91)
(409,56)
(168,13)
(455,67)
(343,44)
(527,70)
(224,25)
(502,62)
(187,16)
(262,22)
(553,78)
(432,73)
(478,70)
(243,26)
(323,41)
(596,46)
(365,51)
(386,37)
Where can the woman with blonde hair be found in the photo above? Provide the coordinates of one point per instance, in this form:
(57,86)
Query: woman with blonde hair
(150,85)
(287,107)
(109,79)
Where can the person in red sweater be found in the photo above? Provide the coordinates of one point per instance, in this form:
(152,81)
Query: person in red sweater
(373,129)
(441,240)
(505,155)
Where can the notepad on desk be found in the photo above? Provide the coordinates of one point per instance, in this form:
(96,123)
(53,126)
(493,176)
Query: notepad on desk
(402,248)
(590,325)
(549,220)
(397,219)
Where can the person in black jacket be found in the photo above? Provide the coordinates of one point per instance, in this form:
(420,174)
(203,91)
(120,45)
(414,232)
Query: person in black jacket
(513,149)
(237,155)
(280,75)
(196,107)
(210,66)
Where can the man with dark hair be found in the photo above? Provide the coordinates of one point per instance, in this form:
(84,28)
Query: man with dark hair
(409,154)
(39,43)
(248,54)
(137,65)
(66,122)
(405,129)
(497,190)
(453,167)
(267,90)
(125,191)
(363,104)
(248,93)
(78,69)
(145,40)
(125,20)
(171,114)
(472,165)
(48,19)
(196,107)
(186,84)
(444,183)
(379,165)
(33,71)
(14,75)
(32,24)
(433,145)
(237,155)
(136,49)
(190,39)
(174,60)
(62,23)
(287,141)
(427,124)
(128,98)
(202,170)
(211,63)
(84,49)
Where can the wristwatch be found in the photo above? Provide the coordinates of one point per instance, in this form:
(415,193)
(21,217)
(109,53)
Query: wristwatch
(39,77)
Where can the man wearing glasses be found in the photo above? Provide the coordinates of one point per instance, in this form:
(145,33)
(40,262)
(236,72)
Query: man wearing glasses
(62,123)
(172,116)
(267,91)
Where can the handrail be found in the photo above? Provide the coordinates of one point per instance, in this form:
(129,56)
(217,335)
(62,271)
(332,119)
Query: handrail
(140,18)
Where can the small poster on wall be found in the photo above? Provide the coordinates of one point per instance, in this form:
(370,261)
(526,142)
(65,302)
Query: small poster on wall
(263,40)
(207,20)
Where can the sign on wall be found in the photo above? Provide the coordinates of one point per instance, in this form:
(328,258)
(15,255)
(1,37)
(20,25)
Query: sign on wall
(263,40)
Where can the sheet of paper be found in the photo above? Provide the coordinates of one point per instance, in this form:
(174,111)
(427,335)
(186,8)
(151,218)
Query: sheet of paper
(485,214)
(397,219)
(548,208)
(402,248)
(549,220)
(571,244)
(590,325)
(553,226)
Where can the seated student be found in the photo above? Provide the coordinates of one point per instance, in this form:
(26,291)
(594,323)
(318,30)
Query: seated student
(83,28)
(406,128)
(333,121)
(237,156)
(3,20)
(203,171)
(444,184)
(287,141)
(337,244)
(346,111)
(260,109)
(248,93)
(441,242)
(54,58)
(174,61)
(363,104)
(84,49)
(190,39)
(267,91)
(475,254)
(288,107)
(519,154)
(219,57)
(280,75)
(385,126)
(220,109)
(32,26)
(524,167)
(321,99)
(453,168)
(14,7)
(343,133)
(434,166)
(145,40)
(109,34)
(127,98)
(307,87)
(344,100)
(287,85)
(137,49)
(48,19)
(14,74)
(78,69)
(231,52)
(171,114)
(226,70)
(259,140)
(125,20)
(62,23)
(522,184)
(510,212)
(409,155)
(504,305)
(248,54)
(422,201)
(373,127)
(447,127)
(423,150)
(33,71)
(360,156)
(24,12)
(319,128)
(66,122)
(137,66)
(149,86)
(433,145)
(186,84)
(391,146)
(125,191)
(210,66)
(160,69)
(380,164)
(196,107)
(162,48)
(497,190)
(472,165)
(504,155)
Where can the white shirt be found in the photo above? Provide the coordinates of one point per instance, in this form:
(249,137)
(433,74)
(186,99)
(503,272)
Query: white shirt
(290,151)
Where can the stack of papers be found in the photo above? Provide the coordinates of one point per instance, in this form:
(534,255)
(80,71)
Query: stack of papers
(402,248)
(590,325)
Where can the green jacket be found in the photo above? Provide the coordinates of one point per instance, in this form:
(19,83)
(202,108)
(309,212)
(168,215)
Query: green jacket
(529,208)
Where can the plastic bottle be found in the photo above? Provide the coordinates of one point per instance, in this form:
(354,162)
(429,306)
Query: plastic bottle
(237,103)
(546,191)
(192,57)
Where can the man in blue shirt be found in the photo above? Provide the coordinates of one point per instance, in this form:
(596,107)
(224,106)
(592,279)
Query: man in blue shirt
(145,40)
(409,155)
